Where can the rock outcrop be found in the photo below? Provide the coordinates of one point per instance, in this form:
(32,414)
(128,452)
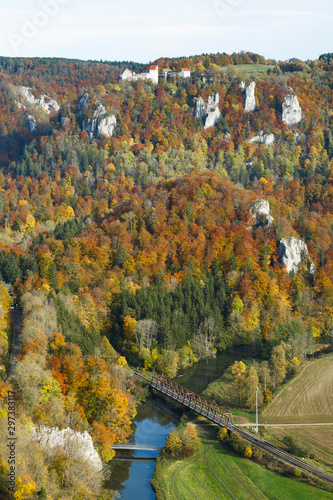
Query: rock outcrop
(101,124)
(291,110)
(292,251)
(27,94)
(43,102)
(65,121)
(106,126)
(260,212)
(32,124)
(47,104)
(267,139)
(250,98)
(208,110)
(76,444)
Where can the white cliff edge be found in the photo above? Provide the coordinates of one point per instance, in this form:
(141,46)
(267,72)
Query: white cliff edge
(101,124)
(208,110)
(260,213)
(43,102)
(76,444)
(291,110)
(292,251)
(250,98)
(263,138)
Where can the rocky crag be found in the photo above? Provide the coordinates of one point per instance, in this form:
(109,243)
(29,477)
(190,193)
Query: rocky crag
(78,445)
(291,110)
(208,110)
(101,124)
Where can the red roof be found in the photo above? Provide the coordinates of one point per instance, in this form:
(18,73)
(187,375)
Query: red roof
(153,67)
(185,69)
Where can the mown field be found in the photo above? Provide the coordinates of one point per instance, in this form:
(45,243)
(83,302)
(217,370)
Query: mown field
(318,440)
(216,474)
(248,68)
(307,399)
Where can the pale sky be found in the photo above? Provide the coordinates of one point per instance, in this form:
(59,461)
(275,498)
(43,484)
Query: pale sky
(145,30)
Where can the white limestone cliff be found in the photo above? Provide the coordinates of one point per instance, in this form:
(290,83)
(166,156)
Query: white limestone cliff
(291,110)
(250,98)
(267,139)
(106,126)
(208,110)
(292,251)
(27,94)
(101,123)
(76,444)
(47,104)
(32,125)
(260,212)
(43,102)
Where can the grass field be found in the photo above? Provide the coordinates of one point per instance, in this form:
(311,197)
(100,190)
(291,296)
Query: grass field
(307,399)
(319,441)
(215,474)
(249,68)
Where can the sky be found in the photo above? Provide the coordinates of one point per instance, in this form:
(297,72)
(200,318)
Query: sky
(144,30)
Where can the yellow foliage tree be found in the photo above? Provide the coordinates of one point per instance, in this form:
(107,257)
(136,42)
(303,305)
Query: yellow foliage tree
(129,327)
(25,489)
(69,213)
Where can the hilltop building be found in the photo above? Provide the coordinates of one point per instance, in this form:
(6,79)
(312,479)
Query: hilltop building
(184,73)
(150,74)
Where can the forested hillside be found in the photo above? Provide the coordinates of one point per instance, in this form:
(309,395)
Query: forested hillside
(129,231)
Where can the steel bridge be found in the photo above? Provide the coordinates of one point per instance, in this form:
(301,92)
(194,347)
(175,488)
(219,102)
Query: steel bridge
(216,414)
(190,399)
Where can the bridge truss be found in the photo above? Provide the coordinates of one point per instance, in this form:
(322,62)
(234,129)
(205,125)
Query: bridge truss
(192,400)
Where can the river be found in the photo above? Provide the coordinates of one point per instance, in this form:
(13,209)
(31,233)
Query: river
(131,471)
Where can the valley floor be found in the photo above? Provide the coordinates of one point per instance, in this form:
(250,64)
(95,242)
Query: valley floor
(217,474)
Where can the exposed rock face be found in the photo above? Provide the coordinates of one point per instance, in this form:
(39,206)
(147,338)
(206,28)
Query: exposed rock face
(291,251)
(250,98)
(32,123)
(77,444)
(47,104)
(291,110)
(106,126)
(26,94)
(20,105)
(65,121)
(44,102)
(200,108)
(267,139)
(84,101)
(208,110)
(101,123)
(260,212)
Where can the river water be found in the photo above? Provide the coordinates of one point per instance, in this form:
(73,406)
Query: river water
(131,471)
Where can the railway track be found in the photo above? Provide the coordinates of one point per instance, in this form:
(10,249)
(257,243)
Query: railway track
(216,415)
(284,456)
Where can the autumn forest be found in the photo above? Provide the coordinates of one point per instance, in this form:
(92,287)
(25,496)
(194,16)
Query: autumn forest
(142,248)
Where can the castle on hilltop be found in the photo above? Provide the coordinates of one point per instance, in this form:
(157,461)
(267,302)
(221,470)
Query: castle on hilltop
(150,74)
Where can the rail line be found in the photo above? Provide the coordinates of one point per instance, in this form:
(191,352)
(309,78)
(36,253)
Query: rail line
(216,414)
(282,455)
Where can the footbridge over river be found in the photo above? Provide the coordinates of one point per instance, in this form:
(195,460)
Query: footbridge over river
(223,418)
